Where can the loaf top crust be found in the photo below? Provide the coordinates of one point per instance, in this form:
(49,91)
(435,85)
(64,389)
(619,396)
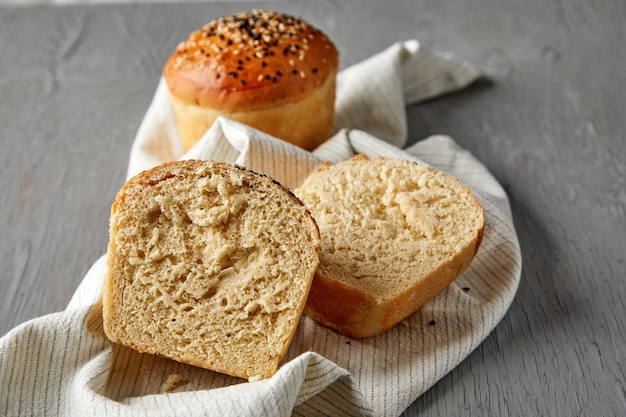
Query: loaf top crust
(251,60)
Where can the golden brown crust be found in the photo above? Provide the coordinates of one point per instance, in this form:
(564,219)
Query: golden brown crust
(250,60)
(355,313)
(341,307)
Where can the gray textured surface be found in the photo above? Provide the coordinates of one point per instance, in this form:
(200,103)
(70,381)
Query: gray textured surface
(547,120)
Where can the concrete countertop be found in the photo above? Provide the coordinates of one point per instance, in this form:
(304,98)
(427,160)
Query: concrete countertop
(547,119)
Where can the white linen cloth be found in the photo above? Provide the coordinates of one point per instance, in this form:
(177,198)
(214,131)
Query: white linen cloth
(62,365)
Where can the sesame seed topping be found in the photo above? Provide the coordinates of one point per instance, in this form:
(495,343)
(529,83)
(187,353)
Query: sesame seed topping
(255,34)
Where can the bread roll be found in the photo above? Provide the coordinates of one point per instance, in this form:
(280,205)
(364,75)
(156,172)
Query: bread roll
(271,71)
(394,235)
(208,264)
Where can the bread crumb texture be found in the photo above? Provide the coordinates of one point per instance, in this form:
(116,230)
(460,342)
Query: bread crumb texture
(172,382)
(208,264)
(394,234)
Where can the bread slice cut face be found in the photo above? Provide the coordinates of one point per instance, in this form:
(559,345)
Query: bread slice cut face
(208,264)
(394,235)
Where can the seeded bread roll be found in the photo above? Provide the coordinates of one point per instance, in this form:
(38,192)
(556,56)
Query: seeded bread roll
(208,264)
(271,71)
(394,235)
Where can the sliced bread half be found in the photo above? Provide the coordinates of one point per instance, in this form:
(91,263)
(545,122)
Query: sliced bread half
(394,235)
(208,264)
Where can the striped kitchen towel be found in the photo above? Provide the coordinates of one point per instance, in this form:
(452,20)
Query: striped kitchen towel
(62,364)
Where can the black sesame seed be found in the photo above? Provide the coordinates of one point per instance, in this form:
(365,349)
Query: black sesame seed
(233,74)
(294,72)
(263,64)
(243,82)
(240,62)
(466,289)
(279,73)
(315,70)
(240,68)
